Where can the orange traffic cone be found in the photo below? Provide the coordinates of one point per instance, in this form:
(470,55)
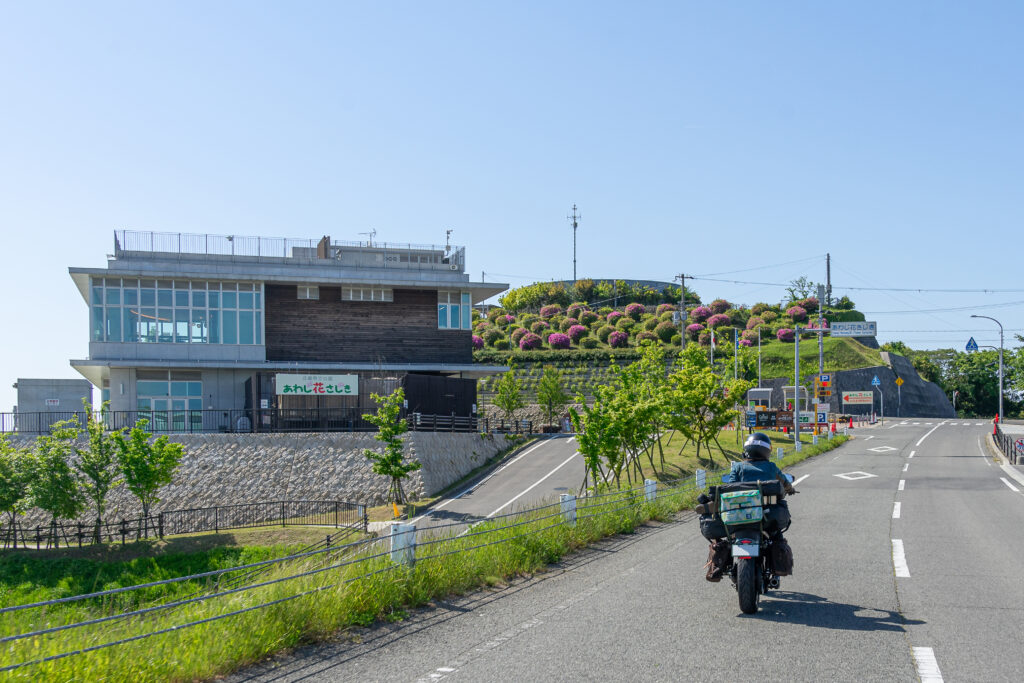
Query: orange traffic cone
(833,427)
(851,422)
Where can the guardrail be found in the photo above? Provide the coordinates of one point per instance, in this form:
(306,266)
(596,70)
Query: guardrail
(1011,445)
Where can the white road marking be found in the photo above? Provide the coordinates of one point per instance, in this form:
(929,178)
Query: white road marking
(1012,487)
(927,666)
(855,476)
(903,484)
(573,438)
(983,456)
(534,484)
(911,454)
(896,510)
(906,467)
(976,424)
(866,438)
(899,560)
(928,434)
(797,481)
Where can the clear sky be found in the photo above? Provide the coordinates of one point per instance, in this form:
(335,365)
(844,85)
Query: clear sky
(696,137)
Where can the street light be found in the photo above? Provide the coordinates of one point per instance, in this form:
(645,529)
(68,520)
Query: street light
(1000,361)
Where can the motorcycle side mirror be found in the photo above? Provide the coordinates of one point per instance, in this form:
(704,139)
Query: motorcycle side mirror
(727,479)
(789,477)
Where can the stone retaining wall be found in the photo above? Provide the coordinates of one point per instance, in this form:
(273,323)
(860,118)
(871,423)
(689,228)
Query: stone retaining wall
(229,469)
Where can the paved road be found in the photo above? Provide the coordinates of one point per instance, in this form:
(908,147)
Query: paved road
(933,592)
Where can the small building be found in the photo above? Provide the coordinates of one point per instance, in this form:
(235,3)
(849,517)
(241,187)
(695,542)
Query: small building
(42,402)
(202,332)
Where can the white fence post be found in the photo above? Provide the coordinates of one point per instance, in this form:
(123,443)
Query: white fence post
(814,440)
(778,452)
(403,544)
(799,445)
(702,479)
(650,489)
(568,508)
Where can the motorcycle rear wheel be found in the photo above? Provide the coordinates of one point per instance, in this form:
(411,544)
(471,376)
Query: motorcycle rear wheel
(746,584)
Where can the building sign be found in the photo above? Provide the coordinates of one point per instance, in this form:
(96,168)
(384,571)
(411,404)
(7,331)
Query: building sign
(858,398)
(52,402)
(854,329)
(784,418)
(316,385)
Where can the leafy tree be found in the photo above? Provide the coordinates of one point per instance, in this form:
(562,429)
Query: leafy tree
(508,395)
(550,394)
(16,472)
(97,463)
(844,303)
(801,288)
(897,347)
(54,488)
(597,435)
(147,465)
(390,427)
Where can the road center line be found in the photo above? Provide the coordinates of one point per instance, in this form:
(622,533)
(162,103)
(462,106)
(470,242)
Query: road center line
(911,454)
(903,484)
(906,467)
(1012,487)
(928,434)
(797,481)
(534,484)
(896,510)
(927,666)
(867,438)
(899,560)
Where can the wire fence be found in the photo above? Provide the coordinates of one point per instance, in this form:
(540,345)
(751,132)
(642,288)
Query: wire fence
(326,513)
(1012,445)
(373,556)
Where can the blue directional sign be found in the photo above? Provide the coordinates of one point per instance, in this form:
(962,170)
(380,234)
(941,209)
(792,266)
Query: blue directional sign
(972,345)
(876,382)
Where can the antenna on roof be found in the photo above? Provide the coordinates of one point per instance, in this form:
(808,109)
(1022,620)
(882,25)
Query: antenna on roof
(447,240)
(371,234)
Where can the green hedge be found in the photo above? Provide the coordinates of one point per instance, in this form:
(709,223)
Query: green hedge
(621,356)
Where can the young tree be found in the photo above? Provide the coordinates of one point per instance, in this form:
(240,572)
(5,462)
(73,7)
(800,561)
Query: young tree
(508,395)
(54,488)
(147,465)
(597,435)
(550,395)
(800,288)
(390,427)
(16,472)
(97,463)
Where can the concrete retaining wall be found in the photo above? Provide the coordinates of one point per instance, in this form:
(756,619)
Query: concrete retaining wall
(228,469)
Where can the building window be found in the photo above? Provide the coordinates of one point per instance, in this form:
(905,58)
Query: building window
(367,294)
(453,310)
(175,312)
(311,293)
(170,400)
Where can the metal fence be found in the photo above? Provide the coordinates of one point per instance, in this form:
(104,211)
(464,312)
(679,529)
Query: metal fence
(1012,445)
(271,420)
(325,513)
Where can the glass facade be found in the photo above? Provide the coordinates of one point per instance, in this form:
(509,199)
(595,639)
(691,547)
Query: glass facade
(454,310)
(170,399)
(175,311)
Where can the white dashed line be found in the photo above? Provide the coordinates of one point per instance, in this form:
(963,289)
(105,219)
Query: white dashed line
(906,467)
(927,666)
(903,484)
(899,560)
(911,454)
(979,424)
(1012,487)
(867,438)
(896,510)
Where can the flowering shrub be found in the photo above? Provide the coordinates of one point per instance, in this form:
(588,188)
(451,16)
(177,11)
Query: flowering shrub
(770,316)
(529,342)
(613,316)
(618,340)
(755,322)
(719,306)
(749,335)
(527,319)
(604,333)
(577,332)
(502,344)
(665,331)
(634,311)
(588,343)
(662,309)
(604,311)
(481,324)
(589,317)
(649,323)
(504,320)
(478,343)
(758,309)
(704,338)
(492,335)
(539,326)
(518,334)
(693,331)
(746,342)
(797,313)
(701,313)
(549,311)
(645,337)
(784,334)
(557,340)
(625,324)
(567,323)
(494,313)
(718,320)
(810,304)
(575,310)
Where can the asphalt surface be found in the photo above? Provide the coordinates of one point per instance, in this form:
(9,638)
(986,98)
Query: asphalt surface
(949,607)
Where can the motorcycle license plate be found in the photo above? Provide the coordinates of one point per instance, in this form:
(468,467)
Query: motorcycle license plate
(745,549)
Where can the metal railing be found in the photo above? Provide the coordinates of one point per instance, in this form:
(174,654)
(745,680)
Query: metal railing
(325,513)
(1007,443)
(269,420)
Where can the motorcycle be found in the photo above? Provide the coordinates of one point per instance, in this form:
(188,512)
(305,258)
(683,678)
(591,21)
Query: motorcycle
(744,511)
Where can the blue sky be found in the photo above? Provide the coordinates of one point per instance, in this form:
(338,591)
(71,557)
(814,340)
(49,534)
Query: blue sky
(695,137)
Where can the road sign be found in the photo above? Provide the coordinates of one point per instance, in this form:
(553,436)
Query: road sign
(825,379)
(784,418)
(858,398)
(1020,445)
(876,382)
(765,418)
(854,329)
(899,381)
(972,345)
(751,419)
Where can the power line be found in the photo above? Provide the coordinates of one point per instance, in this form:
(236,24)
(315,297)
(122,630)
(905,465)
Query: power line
(947,309)
(773,265)
(869,289)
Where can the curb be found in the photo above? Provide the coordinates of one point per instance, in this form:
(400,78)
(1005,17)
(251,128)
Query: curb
(1004,464)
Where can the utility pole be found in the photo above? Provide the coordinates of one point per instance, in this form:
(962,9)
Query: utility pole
(575,224)
(796,387)
(682,310)
(828,279)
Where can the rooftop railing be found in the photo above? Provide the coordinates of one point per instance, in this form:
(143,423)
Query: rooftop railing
(130,244)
